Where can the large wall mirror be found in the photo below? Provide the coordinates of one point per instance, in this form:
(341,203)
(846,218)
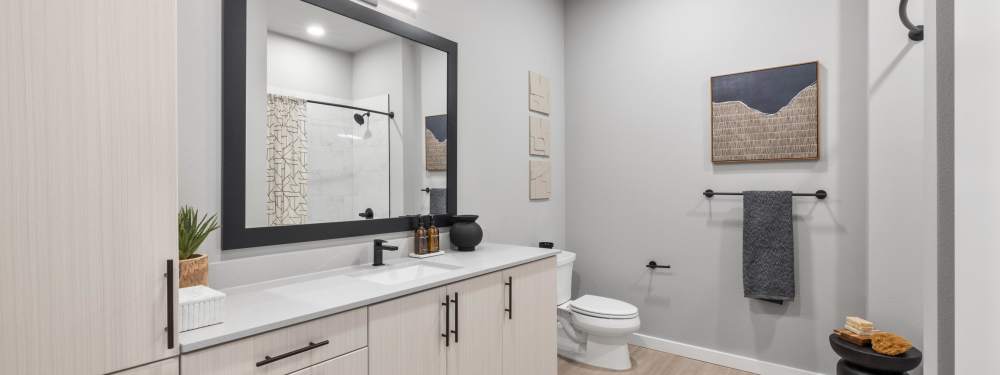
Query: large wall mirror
(339,121)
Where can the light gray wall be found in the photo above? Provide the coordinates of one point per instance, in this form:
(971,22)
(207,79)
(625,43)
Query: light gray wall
(494,60)
(295,64)
(638,159)
(977,206)
(901,172)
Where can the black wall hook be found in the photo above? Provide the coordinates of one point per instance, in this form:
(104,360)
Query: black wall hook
(916,31)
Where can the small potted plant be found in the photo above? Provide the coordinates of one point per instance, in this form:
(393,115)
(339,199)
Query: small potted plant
(192,229)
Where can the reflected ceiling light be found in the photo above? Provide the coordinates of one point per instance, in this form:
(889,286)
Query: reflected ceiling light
(408,4)
(316,30)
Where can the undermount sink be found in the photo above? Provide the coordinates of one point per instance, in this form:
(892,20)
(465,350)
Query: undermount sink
(404,273)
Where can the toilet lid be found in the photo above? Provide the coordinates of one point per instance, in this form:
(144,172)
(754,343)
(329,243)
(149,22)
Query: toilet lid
(602,307)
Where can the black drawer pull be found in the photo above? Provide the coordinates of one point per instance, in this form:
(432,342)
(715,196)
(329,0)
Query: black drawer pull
(447,321)
(269,359)
(170,303)
(510,297)
(455,331)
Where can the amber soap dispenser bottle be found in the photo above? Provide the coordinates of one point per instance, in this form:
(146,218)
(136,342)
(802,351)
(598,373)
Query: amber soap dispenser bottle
(433,236)
(420,238)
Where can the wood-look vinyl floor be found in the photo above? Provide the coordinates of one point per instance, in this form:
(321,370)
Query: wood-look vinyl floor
(651,362)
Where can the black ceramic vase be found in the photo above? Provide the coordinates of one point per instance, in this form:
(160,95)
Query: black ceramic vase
(465,232)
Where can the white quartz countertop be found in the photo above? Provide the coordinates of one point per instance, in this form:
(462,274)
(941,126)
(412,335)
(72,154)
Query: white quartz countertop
(257,308)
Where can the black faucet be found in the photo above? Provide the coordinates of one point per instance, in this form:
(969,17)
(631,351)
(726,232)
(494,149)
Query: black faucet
(379,246)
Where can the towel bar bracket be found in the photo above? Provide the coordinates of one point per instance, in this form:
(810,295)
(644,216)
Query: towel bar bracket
(653,265)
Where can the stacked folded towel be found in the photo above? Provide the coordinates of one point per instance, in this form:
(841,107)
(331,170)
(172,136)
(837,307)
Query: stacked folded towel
(859,326)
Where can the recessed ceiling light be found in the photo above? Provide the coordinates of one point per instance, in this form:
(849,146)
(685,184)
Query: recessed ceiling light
(316,30)
(408,4)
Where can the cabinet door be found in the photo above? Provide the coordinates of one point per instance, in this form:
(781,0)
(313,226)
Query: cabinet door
(529,323)
(476,318)
(88,153)
(164,367)
(353,363)
(404,335)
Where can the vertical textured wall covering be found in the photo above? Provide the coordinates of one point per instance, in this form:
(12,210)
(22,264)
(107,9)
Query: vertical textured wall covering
(637,76)
(287,166)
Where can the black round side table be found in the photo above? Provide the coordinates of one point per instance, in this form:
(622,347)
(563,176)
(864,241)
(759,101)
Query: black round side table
(862,360)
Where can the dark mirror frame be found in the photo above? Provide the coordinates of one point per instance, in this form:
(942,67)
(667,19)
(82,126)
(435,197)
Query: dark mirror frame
(235,234)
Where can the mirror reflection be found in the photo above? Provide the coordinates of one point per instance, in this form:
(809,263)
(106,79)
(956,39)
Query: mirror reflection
(344,121)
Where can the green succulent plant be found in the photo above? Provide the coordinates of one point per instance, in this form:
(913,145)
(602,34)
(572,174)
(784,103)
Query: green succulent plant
(192,229)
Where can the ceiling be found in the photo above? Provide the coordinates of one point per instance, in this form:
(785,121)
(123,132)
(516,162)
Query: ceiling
(292,17)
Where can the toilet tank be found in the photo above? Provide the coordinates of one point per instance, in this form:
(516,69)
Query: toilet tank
(564,276)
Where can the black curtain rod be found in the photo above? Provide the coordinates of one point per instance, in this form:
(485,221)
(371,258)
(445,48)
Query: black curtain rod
(819,194)
(390,114)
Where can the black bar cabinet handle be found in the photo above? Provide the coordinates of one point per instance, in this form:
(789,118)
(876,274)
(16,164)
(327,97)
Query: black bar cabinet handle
(170,303)
(269,359)
(510,297)
(455,301)
(447,321)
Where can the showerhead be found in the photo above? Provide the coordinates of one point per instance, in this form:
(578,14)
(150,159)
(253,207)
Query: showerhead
(360,119)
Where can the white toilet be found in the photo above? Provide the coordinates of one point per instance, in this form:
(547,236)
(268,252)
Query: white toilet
(592,330)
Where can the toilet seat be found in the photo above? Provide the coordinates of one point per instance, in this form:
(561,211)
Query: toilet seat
(603,308)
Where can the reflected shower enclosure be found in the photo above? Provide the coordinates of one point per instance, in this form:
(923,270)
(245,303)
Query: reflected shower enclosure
(335,119)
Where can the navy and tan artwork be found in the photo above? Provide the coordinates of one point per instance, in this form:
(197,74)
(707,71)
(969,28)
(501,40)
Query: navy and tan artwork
(436,142)
(766,115)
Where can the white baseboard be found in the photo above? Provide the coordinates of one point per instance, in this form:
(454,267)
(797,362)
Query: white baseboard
(714,356)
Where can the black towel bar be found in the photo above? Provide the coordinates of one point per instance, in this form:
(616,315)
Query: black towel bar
(819,194)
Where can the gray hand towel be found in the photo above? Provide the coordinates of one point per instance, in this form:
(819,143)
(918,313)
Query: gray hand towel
(439,201)
(768,249)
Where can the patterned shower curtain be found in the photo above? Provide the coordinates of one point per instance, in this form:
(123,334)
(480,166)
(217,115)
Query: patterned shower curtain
(287,173)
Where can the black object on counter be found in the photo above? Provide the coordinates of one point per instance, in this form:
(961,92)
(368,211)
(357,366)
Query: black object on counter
(862,360)
(546,245)
(465,232)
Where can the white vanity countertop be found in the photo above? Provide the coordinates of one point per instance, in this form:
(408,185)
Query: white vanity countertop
(262,307)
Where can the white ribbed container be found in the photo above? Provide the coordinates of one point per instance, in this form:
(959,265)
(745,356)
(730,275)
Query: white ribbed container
(200,306)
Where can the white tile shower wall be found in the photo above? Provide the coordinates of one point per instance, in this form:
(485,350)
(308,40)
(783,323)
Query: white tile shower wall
(491,111)
(371,160)
(331,164)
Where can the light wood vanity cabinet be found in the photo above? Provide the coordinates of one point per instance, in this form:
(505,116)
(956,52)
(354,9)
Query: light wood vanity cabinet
(529,329)
(476,322)
(483,338)
(89,209)
(406,335)
(502,323)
